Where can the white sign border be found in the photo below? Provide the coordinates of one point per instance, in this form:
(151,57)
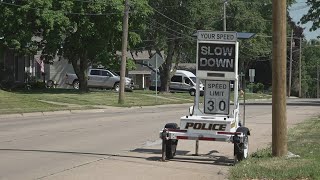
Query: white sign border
(228,103)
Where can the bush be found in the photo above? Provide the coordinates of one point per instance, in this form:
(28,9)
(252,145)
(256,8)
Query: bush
(256,88)
(38,85)
(259,87)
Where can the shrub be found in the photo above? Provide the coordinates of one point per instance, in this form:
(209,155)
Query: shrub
(256,88)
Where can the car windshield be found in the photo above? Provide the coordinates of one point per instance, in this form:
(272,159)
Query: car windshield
(113,73)
(193,79)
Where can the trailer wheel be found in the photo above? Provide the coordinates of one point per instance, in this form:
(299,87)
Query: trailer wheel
(171,126)
(241,150)
(171,144)
(171,148)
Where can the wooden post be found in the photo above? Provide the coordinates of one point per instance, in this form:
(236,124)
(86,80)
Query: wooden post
(318,80)
(124,52)
(224,16)
(279,53)
(300,53)
(290,64)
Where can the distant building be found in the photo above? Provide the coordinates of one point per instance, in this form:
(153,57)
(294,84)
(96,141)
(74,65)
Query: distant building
(145,64)
(16,68)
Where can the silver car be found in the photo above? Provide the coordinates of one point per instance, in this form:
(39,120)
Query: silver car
(100,78)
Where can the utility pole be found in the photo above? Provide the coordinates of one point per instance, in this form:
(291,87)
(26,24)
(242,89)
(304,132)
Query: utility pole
(318,80)
(224,16)
(300,53)
(124,52)
(279,59)
(290,68)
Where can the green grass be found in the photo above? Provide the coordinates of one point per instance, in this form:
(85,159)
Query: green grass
(20,102)
(32,101)
(303,140)
(257,96)
(40,100)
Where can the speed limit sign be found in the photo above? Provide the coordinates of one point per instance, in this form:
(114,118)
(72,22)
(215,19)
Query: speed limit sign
(217,97)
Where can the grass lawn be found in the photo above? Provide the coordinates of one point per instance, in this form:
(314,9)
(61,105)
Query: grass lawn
(302,141)
(257,96)
(35,101)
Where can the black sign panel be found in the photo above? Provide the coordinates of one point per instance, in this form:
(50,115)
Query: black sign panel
(216,57)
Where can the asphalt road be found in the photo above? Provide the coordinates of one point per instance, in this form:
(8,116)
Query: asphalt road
(123,144)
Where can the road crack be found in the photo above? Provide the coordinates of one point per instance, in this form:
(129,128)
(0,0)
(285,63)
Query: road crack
(74,167)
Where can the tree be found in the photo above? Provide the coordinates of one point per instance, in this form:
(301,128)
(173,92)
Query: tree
(170,29)
(312,15)
(20,21)
(311,59)
(96,30)
(254,17)
(78,30)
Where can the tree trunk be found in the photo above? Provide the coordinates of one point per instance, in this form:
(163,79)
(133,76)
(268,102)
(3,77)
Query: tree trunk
(84,73)
(81,71)
(166,68)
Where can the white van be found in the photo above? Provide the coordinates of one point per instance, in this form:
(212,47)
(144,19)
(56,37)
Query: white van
(182,81)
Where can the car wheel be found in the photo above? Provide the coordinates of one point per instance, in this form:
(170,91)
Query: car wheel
(50,84)
(76,84)
(116,87)
(192,92)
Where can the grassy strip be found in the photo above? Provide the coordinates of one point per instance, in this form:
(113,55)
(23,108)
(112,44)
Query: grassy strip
(33,101)
(303,140)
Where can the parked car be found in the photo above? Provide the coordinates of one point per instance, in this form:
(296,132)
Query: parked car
(100,78)
(181,81)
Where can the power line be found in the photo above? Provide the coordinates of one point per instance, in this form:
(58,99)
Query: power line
(169,28)
(172,19)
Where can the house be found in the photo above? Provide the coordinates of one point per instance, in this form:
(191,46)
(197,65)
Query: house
(57,70)
(17,68)
(145,64)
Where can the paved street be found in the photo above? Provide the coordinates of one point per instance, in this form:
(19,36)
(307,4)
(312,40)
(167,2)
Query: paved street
(123,144)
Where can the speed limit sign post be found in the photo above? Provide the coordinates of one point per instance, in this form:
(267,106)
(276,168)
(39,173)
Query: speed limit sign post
(217,97)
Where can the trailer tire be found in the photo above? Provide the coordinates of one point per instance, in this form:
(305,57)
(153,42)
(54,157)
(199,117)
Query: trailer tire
(241,150)
(171,144)
(171,126)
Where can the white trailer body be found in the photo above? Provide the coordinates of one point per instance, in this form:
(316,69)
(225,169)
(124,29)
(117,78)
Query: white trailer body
(214,119)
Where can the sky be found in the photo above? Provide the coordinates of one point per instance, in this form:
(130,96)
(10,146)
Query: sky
(296,12)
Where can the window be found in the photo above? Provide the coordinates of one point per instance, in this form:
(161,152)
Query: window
(95,72)
(105,73)
(176,79)
(187,81)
